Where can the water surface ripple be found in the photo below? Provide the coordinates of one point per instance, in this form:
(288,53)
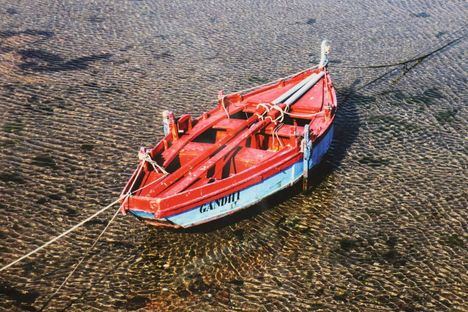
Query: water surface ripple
(83,84)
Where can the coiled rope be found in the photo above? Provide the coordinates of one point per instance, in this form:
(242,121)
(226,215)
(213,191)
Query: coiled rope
(280,118)
(266,107)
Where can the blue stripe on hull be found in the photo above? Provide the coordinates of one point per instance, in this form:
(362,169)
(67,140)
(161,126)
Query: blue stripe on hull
(321,148)
(142,214)
(251,195)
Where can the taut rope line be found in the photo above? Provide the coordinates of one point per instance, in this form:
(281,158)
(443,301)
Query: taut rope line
(59,236)
(117,200)
(81,260)
(79,224)
(140,166)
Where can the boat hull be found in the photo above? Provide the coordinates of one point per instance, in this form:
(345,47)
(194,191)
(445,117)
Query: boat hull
(247,197)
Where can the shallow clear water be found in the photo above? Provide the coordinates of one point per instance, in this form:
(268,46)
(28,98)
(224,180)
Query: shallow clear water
(83,84)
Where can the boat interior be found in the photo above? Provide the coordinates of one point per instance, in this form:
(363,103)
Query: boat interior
(256,148)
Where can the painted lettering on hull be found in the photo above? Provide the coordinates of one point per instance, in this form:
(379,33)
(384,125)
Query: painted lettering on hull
(231,198)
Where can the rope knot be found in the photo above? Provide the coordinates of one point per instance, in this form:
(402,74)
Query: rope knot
(221,98)
(144,154)
(280,118)
(266,107)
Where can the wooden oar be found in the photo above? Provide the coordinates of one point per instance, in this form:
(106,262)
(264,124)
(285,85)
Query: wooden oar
(179,173)
(172,153)
(201,127)
(202,168)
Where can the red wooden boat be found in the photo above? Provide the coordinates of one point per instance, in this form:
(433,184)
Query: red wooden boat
(250,146)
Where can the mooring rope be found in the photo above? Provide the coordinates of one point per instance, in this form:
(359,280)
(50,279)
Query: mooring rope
(82,259)
(421,55)
(59,236)
(130,192)
(147,157)
(122,198)
(221,98)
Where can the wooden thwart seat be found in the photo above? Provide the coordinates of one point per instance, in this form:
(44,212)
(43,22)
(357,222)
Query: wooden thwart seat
(192,150)
(248,157)
(285,130)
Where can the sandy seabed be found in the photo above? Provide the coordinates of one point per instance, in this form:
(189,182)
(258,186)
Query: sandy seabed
(383,228)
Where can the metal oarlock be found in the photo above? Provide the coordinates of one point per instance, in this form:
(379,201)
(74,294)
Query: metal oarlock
(170,125)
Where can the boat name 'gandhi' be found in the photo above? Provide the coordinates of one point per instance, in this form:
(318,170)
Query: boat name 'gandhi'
(220,202)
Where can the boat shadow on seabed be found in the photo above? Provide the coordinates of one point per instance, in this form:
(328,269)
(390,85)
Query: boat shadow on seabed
(346,131)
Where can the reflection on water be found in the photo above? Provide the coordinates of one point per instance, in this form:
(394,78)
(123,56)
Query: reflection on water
(82,86)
